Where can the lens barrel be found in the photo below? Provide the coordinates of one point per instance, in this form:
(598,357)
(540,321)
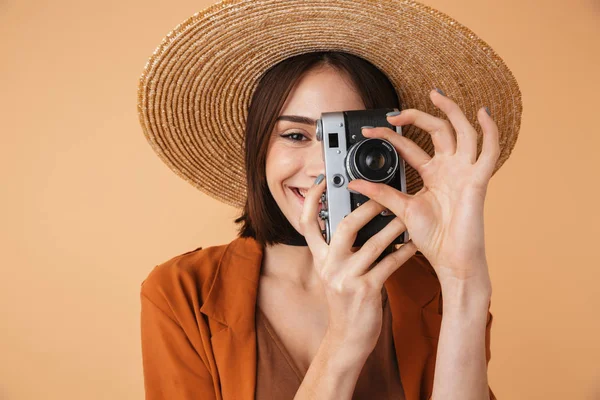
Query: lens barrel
(374,160)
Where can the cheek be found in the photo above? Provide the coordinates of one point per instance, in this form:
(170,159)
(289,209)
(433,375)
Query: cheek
(281,163)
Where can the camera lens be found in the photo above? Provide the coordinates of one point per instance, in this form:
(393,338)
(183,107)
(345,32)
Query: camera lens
(373,160)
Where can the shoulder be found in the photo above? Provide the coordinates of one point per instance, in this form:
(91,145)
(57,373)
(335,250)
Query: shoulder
(188,275)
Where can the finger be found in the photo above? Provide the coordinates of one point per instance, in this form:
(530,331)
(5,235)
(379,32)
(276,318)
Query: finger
(345,233)
(423,188)
(410,152)
(390,263)
(440,130)
(309,223)
(466,135)
(490,150)
(388,196)
(374,247)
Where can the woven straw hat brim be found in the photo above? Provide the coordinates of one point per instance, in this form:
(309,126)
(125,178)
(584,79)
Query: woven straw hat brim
(195,90)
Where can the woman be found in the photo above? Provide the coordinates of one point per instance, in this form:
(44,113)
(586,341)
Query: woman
(278,312)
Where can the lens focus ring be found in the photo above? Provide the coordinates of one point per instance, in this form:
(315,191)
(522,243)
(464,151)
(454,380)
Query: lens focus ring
(374,160)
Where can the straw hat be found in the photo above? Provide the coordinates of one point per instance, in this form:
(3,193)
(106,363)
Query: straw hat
(195,90)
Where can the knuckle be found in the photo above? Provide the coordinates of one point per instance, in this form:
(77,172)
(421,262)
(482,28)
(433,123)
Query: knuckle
(492,151)
(343,284)
(337,284)
(344,227)
(387,133)
(303,221)
(398,257)
(397,224)
(452,106)
(409,252)
(378,190)
(496,149)
(326,276)
(375,192)
(412,210)
(378,207)
(446,125)
(410,112)
(373,246)
(364,288)
(495,154)
(392,260)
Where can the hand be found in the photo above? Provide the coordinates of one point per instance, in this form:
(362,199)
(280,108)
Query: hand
(352,287)
(445,218)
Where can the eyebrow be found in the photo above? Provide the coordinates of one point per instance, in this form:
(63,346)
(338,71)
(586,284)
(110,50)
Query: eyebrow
(297,118)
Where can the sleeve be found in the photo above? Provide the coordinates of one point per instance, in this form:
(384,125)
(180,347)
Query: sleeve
(488,352)
(172,367)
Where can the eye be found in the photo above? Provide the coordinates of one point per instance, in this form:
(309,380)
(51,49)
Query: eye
(294,136)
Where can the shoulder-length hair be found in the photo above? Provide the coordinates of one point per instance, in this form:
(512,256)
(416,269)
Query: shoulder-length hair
(261,217)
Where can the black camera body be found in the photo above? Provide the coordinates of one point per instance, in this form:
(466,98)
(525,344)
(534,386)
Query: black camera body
(348,155)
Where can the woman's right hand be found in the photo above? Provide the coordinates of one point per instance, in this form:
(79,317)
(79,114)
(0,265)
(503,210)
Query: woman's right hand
(352,282)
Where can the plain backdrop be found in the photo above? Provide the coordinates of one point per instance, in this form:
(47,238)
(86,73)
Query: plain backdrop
(87,208)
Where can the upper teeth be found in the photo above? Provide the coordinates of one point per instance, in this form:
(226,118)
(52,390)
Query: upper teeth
(302,192)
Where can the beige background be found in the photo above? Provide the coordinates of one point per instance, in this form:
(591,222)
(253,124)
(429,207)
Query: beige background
(88,209)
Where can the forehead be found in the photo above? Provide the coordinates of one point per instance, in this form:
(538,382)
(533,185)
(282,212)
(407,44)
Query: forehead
(320,90)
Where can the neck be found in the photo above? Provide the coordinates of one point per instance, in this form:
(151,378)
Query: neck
(293,264)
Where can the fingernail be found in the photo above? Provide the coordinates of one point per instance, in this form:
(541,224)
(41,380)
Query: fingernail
(393,113)
(319,179)
(440,91)
(366,127)
(487,110)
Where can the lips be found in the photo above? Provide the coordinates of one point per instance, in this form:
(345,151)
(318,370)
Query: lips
(297,194)
(301,199)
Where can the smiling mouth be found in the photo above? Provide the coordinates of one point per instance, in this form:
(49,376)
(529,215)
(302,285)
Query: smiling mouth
(301,198)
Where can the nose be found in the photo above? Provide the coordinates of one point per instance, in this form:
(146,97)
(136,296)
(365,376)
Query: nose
(314,162)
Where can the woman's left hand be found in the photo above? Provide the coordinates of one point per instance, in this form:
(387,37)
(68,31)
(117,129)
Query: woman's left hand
(445,218)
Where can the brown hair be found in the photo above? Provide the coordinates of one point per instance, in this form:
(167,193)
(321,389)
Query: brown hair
(261,217)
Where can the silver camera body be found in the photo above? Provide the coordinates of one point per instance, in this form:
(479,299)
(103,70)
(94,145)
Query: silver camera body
(348,155)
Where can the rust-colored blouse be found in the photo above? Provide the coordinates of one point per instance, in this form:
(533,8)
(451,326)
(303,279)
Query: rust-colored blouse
(279,377)
(198,325)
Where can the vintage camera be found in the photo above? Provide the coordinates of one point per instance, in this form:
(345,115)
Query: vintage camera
(349,155)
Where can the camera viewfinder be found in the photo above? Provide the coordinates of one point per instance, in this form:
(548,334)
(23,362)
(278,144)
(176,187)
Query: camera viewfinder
(333,141)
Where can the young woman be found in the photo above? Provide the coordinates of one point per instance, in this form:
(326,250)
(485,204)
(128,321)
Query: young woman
(278,313)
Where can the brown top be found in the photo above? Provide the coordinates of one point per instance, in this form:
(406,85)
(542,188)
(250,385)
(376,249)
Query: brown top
(198,324)
(278,376)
